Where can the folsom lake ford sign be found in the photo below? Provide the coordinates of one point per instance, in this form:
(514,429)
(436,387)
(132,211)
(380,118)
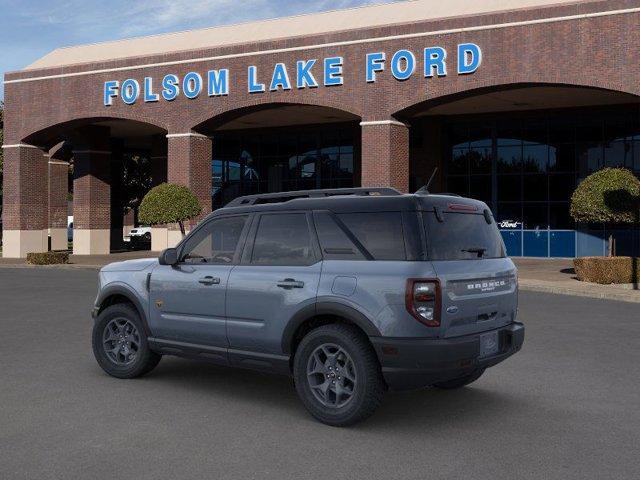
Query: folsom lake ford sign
(309,73)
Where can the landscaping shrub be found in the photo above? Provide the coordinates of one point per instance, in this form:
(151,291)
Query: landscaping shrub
(607,270)
(48,258)
(609,195)
(169,203)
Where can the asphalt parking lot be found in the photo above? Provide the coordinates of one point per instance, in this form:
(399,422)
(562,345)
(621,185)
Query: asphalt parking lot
(565,407)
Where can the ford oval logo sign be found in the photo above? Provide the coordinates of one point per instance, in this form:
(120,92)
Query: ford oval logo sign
(452,309)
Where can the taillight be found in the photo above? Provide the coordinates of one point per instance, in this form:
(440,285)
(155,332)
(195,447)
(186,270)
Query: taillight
(423,301)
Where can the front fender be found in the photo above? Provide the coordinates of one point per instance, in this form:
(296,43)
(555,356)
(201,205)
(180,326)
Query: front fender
(126,291)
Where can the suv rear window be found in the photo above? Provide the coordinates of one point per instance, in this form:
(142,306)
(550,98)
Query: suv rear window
(462,236)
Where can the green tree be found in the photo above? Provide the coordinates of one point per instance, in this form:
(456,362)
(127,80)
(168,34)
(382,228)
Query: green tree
(136,182)
(609,196)
(169,203)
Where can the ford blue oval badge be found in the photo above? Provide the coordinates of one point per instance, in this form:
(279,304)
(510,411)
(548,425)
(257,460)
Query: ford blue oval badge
(452,309)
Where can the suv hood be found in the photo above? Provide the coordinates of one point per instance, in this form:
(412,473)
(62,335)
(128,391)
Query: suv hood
(130,265)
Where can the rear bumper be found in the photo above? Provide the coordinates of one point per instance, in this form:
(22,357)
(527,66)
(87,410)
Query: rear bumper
(416,363)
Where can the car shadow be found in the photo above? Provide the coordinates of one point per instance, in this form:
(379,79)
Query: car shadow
(400,411)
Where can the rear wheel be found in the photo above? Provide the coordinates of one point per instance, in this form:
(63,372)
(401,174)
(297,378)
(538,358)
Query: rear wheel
(337,375)
(120,343)
(460,382)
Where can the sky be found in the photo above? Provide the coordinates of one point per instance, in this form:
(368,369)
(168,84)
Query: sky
(30,29)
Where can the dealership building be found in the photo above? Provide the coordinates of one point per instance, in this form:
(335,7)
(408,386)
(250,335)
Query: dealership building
(513,101)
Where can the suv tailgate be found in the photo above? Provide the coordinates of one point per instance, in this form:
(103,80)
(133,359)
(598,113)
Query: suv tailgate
(477,295)
(478,282)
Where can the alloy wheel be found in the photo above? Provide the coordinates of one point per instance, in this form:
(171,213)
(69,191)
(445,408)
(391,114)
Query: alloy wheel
(331,375)
(121,341)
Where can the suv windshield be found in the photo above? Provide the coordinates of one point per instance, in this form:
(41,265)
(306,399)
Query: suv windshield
(462,236)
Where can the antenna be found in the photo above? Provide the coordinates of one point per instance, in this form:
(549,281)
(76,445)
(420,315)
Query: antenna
(425,189)
(433,175)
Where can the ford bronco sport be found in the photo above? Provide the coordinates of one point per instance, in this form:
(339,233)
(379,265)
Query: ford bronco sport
(350,291)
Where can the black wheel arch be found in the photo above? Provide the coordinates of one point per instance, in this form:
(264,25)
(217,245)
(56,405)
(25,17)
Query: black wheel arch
(322,313)
(115,294)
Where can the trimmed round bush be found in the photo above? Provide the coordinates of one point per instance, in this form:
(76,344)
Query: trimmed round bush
(169,203)
(611,195)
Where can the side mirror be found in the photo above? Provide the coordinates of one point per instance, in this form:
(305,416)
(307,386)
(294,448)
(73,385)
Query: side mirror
(169,257)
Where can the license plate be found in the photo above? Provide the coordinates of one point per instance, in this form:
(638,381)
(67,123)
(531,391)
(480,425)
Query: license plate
(489,344)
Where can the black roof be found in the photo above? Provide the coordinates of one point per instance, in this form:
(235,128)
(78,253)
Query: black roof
(347,200)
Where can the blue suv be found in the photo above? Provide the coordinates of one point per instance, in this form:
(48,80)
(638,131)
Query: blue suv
(350,291)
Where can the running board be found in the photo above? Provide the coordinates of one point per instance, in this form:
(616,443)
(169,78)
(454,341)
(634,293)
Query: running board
(223,356)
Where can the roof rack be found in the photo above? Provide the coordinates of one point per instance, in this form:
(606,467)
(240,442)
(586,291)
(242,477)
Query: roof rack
(287,196)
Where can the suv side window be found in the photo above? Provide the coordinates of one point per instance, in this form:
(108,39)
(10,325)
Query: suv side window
(381,233)
(216,243)
(334,242)
(283,239)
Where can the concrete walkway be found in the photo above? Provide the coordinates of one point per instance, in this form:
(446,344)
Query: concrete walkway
(558,276)
(535,274)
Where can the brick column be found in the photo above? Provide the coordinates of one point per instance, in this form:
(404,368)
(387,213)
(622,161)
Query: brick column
(159,233)
(58,190)
(25,202)
(385,154)
(91,202)
(158,160)
(189,164)
(91,191)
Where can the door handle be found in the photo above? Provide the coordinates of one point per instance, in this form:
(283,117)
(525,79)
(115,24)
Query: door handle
(289,283)
(209,281)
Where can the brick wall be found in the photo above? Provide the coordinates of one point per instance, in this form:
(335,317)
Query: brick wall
(25,189)
(597,51)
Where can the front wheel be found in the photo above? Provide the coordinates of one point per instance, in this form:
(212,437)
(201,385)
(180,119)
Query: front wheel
(337,375)
(460,382)
(120,343)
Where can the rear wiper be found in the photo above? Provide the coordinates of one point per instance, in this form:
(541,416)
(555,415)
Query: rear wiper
(478,250)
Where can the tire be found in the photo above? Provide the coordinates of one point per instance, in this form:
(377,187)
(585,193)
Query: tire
(136,359)
(362,383)
(460,382)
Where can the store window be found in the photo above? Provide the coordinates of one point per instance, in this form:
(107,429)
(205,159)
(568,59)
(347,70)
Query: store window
(285,159)
(525,167)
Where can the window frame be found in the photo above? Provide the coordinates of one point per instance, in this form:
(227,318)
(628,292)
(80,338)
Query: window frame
(247,254)
(207,225)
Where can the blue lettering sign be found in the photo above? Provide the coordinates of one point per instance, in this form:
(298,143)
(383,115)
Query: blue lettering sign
(170,87)
(218,82)
(192,85)
(375,63)
(130,91)
(280,78)
(149,96)
(333,71)
(110,92)
(254,86)
(435,58)
(403,64)
(469,58)
(304,76)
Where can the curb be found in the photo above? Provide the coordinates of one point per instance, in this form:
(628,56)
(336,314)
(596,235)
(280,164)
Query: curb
(69,266)
(629,297)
